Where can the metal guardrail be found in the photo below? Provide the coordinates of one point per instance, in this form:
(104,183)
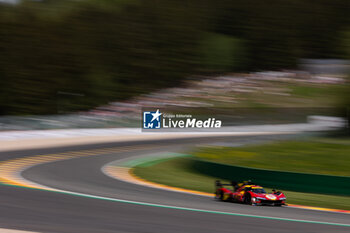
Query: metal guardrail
(67,121)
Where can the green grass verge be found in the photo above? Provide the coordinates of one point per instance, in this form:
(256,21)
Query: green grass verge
(178,173)
(319,156)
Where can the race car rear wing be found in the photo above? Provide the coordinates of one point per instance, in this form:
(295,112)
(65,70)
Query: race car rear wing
(219,184)
(234,184)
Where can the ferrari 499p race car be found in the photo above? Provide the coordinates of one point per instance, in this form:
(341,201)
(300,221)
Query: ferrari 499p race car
(248,193)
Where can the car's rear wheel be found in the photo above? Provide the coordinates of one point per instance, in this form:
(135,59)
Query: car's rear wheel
(217,195)
(248,199)
(221,196)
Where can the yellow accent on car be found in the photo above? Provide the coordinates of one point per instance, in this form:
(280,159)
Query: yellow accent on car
(226,196)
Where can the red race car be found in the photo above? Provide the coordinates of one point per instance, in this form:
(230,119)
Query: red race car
(248,193)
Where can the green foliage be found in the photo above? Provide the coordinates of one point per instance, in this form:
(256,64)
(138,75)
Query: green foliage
(97,53)
(179,172)
(221,53)
(111,50)
(319,157)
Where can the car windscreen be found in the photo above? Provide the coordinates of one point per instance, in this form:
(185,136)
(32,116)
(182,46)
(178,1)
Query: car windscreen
(258,190)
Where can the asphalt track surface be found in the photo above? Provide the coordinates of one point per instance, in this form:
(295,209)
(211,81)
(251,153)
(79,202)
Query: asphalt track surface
(44,211)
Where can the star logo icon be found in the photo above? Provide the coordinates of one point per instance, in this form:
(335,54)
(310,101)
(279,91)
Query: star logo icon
(156,115)
(152,119)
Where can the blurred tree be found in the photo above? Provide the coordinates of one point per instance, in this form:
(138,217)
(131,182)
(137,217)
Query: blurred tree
(112,50)
(345,96)
(220,53)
